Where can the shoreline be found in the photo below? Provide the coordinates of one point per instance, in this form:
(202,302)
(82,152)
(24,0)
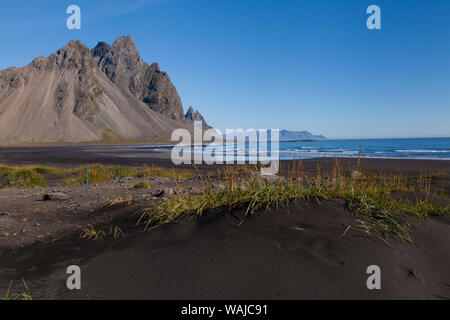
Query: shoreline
(225,254)
(133,156)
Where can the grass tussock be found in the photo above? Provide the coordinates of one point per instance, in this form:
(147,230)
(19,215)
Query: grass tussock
(91,233)
(367,196)
(118,200)
(15,177)
(99,174)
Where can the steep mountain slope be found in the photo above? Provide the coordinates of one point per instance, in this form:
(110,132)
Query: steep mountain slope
(76,95)
(122,64)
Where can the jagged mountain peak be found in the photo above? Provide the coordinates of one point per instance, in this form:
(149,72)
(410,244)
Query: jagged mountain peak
(74,43)
(190,113)
(155,67)
(122,64)
(191,116)
(74,55)
(124,42)
(73,47)
(123,48)
(101,49)
(82,95)
(126,46)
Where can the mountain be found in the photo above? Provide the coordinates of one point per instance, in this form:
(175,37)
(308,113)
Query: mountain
(192,116)
(286,135)
(107,94)
(122,64)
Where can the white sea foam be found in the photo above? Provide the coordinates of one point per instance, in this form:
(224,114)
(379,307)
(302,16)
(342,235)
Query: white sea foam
(423,151)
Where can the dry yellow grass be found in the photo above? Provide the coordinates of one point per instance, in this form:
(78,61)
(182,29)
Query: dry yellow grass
(32,176)
(367,195)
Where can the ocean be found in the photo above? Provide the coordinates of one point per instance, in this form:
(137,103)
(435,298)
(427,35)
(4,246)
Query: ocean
(424,148)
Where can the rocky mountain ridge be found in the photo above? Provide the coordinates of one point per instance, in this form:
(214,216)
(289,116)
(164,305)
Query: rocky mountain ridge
(76,95)
(191,116)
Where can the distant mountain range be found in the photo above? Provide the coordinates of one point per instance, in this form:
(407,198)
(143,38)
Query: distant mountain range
(286,135)
(76,95)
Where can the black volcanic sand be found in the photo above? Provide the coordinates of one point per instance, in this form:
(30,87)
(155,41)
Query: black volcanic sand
(294,253)
(76,156)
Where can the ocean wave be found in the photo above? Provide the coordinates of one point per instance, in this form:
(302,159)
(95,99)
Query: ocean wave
(422,151)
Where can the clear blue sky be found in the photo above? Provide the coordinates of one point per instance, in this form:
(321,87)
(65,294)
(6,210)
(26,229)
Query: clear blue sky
(298,65)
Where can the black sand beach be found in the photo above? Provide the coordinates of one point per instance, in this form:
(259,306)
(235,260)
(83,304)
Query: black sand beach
(294,253)
(75,156)
(299,252)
